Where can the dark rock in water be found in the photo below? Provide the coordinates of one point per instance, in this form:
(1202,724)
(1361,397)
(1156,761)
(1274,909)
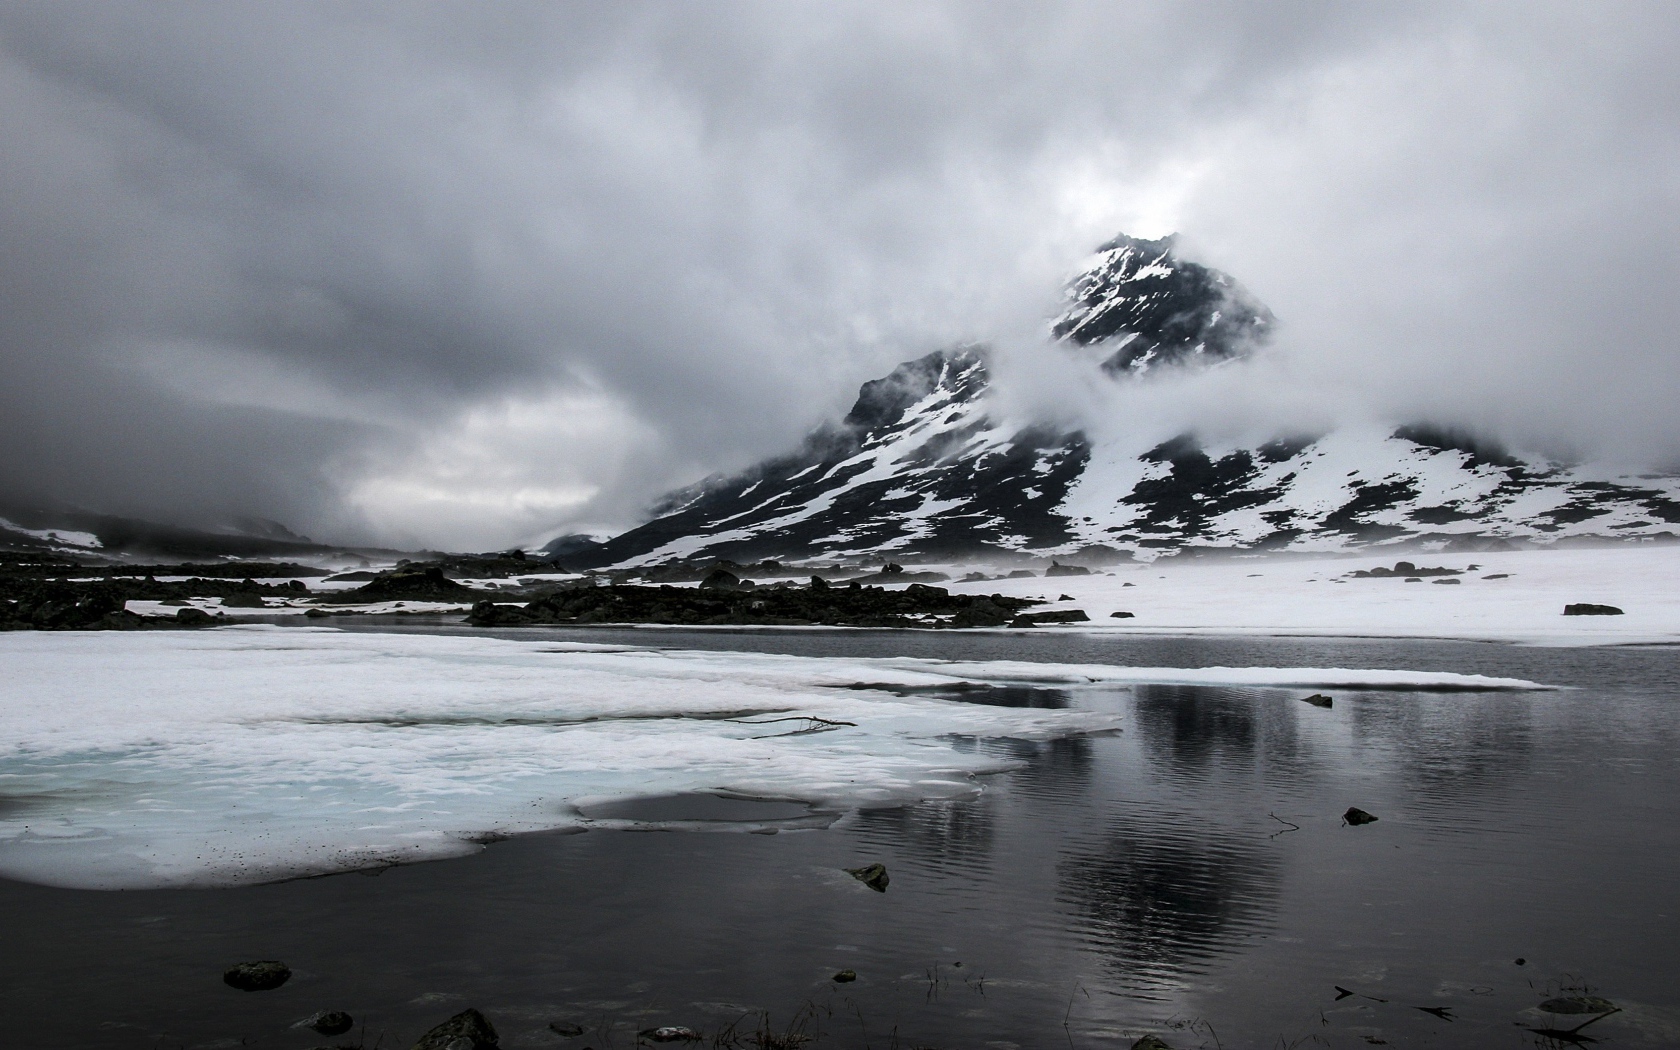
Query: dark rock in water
(329,1022)
(819,584)
(1578,1004)
(720,580)
(872,875)
(671,1033)
(1498,576)
(1122,615)
(1064,597)
(1589,609)
(1320,700)
(317,614)
(467,1030)
(1450,580)
(1058,569)
(565,1030)
(1052,616)
(193,617)
(1357,816)
(257,976)
(845,977)
(1151,1042)
(1022,574)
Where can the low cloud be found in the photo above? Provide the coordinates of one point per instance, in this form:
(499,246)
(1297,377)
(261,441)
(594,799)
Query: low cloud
(454,276)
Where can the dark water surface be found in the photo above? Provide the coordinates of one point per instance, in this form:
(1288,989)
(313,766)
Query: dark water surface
(1190,876)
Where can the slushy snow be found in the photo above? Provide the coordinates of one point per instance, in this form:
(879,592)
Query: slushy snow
(246,754)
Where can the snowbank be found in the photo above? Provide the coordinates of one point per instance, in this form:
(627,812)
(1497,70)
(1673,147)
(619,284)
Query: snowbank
(252,753)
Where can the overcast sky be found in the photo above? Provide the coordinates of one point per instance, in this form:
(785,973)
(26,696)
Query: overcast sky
(458,274)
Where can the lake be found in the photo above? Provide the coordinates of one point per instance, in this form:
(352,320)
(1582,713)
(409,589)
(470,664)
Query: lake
(1190,876)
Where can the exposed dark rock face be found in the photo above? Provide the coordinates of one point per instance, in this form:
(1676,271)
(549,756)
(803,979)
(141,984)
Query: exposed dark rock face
(917,605)
(1156,309)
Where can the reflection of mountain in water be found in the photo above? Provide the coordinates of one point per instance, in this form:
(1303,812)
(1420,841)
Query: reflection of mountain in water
(942,834)
(1162,899)
(1454,748)
(1194,729)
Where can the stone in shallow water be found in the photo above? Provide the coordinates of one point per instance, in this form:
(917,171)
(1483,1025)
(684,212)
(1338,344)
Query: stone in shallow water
(1578,1004)
(872,875)
(467,1030)
(1151,1042)
(671,1033)
(257,976)
(1357,816)
(328,1022)
(845,976)
(1589,609)
(565,1030)
(1318,700)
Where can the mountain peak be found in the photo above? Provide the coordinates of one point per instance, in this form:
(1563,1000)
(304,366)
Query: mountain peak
(1156,308)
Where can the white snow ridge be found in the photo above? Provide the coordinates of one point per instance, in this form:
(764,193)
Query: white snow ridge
(250,754)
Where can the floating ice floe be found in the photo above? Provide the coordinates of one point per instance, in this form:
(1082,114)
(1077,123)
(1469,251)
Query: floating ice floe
(248,754)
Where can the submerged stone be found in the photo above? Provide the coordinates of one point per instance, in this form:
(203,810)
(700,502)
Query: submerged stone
(1319,700)
(1578,1004)
(671,1033)
(1357,816)
(467,1030)
(845,977)
(872,875)
(329,1022)
(257,976)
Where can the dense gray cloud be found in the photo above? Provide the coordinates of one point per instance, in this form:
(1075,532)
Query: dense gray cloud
(453,274)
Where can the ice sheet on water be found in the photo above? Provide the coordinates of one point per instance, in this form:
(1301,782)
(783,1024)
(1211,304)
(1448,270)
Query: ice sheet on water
(246,754)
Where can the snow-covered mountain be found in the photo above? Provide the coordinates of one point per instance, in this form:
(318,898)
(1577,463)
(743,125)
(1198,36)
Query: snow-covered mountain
(923,468)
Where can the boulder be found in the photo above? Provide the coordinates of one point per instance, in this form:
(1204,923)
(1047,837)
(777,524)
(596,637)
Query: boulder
(1121,615)
(467,1030)
(565,1029)
(1589,609)
(1058,569)
(720,580)
(1319,700)
(872,875)
(1151,1042)
(845,977)
(257,976)
(192,616)
(1578,1004)
(1356,816)
(1051,616)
